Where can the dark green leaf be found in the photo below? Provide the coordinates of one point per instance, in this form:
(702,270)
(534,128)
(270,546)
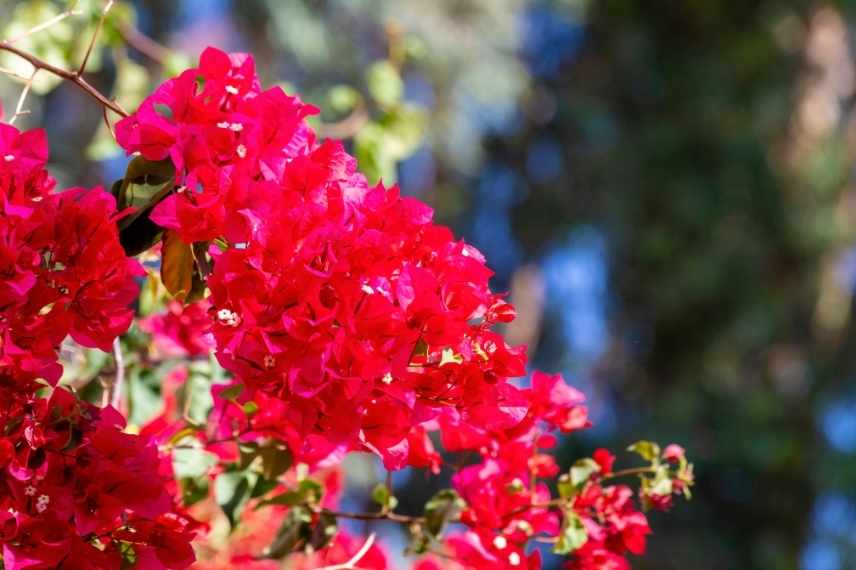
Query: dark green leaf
(323,531)
(440,509)
(232,491)
(294,532)
(193,490)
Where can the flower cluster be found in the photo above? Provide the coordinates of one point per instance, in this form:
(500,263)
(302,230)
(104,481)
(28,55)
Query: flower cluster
(351,322)
(345,319)
(77,492)
(343,306)
(62,269)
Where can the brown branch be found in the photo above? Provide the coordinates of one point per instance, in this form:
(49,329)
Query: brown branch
(100,25)
(144,44)
(394,517)
(70,76)
(19,108)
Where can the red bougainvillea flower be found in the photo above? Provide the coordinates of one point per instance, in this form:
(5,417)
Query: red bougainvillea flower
(62,269)
(181,330)
(80,493)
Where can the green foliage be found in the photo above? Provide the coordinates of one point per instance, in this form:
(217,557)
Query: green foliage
(440,509)
(572,534)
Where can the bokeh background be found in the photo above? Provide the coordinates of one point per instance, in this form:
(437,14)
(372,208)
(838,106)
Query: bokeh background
(665,188)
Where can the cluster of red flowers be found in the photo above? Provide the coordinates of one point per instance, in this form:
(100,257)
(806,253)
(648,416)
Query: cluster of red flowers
(347,320)
(351,322)
(77,492)
(62,269)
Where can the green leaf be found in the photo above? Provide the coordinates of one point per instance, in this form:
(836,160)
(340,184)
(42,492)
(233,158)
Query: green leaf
(145,184)
(192,462)
(647,450)
(288,498)
(263,487)
(385,84)
(193,490)
(382,496)
(343,98)
(232,491)
(276,459)
(572,535)
(440,509)
(292,534)
(582,471)
(308,492)
(565,487)
(232,391)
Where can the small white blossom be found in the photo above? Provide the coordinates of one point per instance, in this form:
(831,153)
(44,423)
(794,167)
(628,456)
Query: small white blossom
(42,503)
(228,318)
(500,542)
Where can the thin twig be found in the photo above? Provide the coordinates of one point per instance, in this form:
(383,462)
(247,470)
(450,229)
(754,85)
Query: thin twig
(71,76)
(109,126)
(47,24)
(119,382)
(394,517)
(19,108)
(100,25)
(144,44)
(13,75)
(351,563)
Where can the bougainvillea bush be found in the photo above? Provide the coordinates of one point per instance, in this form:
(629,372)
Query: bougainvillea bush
(286,314)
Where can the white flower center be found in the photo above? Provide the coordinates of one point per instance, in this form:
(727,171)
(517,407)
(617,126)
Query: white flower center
(228,318)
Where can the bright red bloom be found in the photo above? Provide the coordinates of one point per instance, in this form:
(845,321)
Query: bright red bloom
(79,492)
(62,268)
(182,330)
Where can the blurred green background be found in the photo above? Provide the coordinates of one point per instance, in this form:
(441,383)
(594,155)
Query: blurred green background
(665,188)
